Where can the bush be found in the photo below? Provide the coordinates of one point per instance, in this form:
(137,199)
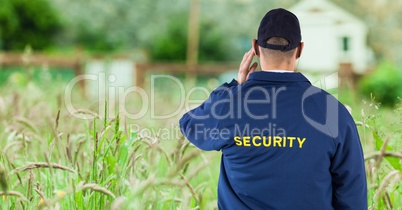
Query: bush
(27,22)
(385,84)
(172,44)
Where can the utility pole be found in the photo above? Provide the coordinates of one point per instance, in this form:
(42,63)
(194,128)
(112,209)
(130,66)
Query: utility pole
(193,38)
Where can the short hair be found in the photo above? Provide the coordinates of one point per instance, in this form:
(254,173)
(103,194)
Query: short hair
(278,56)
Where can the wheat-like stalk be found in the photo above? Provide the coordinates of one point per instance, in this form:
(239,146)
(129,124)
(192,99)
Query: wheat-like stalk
(118,203)
(57,120)
(27,123)
(97,188)
(191,188)
(377,154)
(86,111)
(35,165)
(381,154)
(13,193)
(385,182)
(8,146)
(3,180)
(183,161)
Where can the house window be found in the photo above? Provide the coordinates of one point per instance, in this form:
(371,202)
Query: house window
(346,44)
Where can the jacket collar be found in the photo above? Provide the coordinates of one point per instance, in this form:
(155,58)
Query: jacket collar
(273,76)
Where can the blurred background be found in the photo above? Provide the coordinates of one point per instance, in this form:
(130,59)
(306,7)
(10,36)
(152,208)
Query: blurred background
(352,37)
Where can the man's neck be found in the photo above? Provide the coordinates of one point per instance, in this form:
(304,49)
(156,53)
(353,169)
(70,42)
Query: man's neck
(278,71)
(284,66)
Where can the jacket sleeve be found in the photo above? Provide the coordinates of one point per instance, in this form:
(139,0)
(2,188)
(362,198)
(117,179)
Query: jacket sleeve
(204,125)
(348,171)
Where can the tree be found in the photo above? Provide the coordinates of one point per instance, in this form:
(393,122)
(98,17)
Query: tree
(26,22)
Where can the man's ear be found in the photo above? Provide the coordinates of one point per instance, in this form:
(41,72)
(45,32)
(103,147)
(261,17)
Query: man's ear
(255,48)
(299,50)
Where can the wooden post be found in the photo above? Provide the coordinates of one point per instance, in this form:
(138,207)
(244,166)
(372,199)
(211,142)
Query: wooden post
(193,40)
(78,70)
(139,75)
(346,76)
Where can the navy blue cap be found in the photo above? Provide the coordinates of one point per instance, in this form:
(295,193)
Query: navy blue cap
(279,23)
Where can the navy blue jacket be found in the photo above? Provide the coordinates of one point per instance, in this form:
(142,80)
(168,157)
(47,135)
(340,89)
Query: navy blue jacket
(285,145)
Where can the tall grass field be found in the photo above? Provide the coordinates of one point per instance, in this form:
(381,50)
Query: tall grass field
(53,160)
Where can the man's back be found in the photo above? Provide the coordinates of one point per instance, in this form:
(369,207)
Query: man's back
(285,144)
(281,148)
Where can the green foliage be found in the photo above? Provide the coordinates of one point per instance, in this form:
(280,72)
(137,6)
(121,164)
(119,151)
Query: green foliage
(394,161)
(214,43)
(384,84)
(96,39)
(26,22)
(172,44)
(54,160)
(383,161)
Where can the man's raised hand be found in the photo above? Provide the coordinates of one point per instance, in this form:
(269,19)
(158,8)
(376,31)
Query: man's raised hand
(245,69)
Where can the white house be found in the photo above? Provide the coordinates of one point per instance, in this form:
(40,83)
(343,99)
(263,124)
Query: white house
(332,36)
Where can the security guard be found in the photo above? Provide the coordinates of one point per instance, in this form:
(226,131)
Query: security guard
(285,143)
